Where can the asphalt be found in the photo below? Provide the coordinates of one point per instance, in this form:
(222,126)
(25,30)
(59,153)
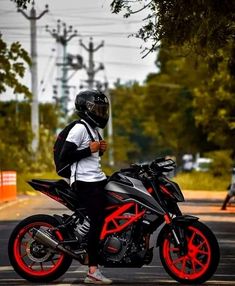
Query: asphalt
(203,204)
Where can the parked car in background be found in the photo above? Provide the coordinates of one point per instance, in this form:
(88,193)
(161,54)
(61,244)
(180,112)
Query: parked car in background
(202,164)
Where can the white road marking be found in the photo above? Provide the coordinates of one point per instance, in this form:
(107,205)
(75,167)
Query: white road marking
(6,268)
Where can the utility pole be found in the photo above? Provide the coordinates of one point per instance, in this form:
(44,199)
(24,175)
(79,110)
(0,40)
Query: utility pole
(91,70)
(109,127)
(62,35)
(32,17)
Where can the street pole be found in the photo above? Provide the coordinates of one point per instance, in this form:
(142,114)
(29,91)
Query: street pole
(110,127)
(62,37)
(32,17)
(91,70)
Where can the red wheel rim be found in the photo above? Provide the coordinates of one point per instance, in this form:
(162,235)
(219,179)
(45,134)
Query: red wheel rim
(25,260)
(196,261)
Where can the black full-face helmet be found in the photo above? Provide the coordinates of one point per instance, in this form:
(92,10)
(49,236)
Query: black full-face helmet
(93,106)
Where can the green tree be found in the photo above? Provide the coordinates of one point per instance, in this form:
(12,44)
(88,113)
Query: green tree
(130,142)
(214,101)
(196,89)
(16,136)
(12,60)
(221,162)
(169,100)
(22,3)
(205,26)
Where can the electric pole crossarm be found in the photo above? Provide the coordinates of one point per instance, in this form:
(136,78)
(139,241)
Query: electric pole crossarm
(72,36)
(81,44)
(22,12)
(33,15)
(98,47)
(43,13)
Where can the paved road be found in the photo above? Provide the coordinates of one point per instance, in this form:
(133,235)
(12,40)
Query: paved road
(199,204)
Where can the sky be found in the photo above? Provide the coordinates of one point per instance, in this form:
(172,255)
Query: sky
(121,53)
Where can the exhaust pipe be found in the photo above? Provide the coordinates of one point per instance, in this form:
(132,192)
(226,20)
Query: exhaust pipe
(44,238)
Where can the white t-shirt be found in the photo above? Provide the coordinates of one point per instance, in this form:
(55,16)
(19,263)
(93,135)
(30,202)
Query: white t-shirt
(87,169)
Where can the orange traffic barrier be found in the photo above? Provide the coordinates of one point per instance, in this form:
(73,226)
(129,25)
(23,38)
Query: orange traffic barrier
(7,186)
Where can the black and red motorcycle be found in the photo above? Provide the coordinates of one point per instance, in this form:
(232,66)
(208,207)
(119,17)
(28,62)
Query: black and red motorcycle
(140,199)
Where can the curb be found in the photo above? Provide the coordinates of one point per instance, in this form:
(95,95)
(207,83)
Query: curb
(207,195)
(11,203)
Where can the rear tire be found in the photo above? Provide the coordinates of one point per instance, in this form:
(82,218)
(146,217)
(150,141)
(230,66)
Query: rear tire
(30,259)
(201,259)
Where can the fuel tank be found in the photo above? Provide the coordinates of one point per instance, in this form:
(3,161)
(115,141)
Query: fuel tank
(124,189)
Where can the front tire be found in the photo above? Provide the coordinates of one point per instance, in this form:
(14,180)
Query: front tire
(32,260)
(202,257)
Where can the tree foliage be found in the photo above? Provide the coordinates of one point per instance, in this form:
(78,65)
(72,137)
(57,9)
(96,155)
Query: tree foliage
(214,101)
(169,99)
(12,60)
(221,162)
(204,24)
(22,3)
(16,136)
(183,108)
(126,106)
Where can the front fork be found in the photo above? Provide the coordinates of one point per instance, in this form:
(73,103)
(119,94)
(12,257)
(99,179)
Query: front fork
(177,227)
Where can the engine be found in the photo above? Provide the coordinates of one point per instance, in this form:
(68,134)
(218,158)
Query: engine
(117,247)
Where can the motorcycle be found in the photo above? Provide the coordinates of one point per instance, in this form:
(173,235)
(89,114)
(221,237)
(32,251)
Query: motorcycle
(140,199)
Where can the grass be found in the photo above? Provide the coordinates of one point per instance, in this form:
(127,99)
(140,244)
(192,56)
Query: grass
(187,181)
(24,188)
(202,181)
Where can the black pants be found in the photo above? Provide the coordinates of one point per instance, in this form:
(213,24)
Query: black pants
(91,195)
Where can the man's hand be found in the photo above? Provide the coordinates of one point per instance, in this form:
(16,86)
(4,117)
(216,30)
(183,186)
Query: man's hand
(103,145)
(95,146)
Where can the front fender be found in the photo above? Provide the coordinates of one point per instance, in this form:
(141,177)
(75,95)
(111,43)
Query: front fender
(183,220)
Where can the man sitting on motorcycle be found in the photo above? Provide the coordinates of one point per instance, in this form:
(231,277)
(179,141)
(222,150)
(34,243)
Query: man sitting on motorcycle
(87,178)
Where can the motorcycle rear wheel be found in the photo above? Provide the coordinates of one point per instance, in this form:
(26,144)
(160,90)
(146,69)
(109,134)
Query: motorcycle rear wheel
(202,257)
(29,258)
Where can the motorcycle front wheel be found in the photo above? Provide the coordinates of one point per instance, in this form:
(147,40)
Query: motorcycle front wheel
(199,262)
(31,259)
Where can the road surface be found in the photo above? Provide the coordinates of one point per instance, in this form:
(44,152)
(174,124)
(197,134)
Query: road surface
(206,207)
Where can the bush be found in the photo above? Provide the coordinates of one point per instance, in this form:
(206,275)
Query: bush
(202,181)
(221,162)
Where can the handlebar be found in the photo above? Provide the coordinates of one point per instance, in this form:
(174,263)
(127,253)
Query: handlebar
(157,166)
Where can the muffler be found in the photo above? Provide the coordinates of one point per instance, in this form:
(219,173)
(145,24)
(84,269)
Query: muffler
(44,238)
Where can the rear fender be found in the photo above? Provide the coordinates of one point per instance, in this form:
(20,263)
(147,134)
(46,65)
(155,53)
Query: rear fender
(177,221)
(59,218)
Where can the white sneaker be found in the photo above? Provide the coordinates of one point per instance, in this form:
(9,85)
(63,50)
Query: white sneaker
(97,278)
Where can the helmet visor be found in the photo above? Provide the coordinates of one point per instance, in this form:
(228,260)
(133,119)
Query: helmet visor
(99,109)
